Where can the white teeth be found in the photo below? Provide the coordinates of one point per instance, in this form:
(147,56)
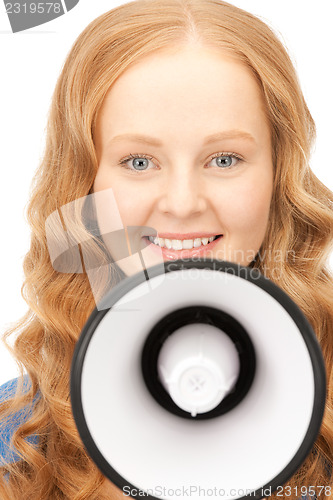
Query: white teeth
(180,244)
(168,243)
(188,244)
(176,244)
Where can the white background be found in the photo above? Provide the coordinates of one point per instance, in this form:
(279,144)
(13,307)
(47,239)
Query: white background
(30,63)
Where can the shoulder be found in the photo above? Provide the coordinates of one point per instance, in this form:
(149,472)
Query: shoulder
(8,389)
(10,424)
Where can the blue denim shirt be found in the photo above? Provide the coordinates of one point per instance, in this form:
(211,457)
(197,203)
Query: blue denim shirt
(8,427)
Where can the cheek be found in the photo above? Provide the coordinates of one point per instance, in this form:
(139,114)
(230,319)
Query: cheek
(245,209)
(244,217)
(131,201)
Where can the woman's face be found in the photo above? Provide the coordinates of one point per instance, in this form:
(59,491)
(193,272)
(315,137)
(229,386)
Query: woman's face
(194,121)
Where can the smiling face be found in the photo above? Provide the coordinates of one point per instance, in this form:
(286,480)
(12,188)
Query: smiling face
(202,161)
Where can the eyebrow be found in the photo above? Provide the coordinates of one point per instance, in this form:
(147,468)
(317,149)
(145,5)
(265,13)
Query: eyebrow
(228,134)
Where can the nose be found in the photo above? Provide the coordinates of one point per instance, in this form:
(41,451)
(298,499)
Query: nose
(183,194)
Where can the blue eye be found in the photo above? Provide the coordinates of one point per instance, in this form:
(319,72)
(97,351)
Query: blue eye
(225,161)
(138,163)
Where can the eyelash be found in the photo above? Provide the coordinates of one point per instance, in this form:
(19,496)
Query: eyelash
(217,155)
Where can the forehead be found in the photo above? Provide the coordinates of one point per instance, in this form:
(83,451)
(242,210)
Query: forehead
(191,88)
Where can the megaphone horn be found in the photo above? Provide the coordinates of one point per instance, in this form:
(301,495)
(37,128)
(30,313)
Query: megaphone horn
(215,379)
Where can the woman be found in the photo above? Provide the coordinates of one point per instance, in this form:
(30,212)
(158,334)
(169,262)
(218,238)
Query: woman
(181,71)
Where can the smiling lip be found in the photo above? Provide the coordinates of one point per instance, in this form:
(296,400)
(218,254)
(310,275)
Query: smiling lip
(183,254)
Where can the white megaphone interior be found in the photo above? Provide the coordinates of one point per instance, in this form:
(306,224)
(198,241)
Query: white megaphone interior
(242,449)
(198,366)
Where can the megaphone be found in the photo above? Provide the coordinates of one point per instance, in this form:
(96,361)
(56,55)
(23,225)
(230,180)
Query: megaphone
(214,381)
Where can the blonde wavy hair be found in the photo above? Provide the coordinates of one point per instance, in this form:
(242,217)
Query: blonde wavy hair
(300,224)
